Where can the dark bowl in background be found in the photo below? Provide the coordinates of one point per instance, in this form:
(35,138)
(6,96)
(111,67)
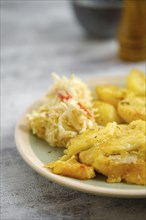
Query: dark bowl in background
(100,18)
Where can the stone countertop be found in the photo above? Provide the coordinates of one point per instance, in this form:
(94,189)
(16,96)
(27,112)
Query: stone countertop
(39,37)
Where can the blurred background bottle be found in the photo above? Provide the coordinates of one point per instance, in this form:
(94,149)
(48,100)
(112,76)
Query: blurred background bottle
(132,31)
(99,18)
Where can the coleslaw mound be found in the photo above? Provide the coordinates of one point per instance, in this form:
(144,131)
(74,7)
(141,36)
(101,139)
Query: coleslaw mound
(72,87)
(66,113)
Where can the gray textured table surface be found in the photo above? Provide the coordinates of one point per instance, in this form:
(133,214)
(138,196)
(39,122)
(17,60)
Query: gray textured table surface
(39,37)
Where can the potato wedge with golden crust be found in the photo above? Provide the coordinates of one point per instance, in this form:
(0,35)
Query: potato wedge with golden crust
(104,113)
(132,108)
(72,168)
(136,82)
(111,94)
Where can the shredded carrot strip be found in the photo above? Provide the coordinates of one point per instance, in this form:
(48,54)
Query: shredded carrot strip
(67,97)
(63,97)
(86,110)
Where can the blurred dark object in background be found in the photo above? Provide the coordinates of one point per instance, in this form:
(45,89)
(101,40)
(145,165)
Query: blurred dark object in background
(100,18)
(132,31)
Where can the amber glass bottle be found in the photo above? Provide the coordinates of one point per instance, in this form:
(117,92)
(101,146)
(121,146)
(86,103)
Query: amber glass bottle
(132,31)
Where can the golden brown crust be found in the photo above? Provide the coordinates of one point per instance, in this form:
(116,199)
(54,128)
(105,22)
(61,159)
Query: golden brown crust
(132,108)
(72,168)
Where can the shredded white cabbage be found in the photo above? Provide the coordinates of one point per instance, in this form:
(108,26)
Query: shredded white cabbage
(73,87)
(66,113)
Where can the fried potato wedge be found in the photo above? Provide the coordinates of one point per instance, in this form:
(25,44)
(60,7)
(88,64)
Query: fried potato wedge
(105,112)
(136,82)
(111,94)
(72,168)
(132,108)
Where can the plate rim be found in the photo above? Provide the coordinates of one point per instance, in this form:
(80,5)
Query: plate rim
(61,180)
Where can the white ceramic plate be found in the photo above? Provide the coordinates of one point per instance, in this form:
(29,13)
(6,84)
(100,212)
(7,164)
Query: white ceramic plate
(36,152)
